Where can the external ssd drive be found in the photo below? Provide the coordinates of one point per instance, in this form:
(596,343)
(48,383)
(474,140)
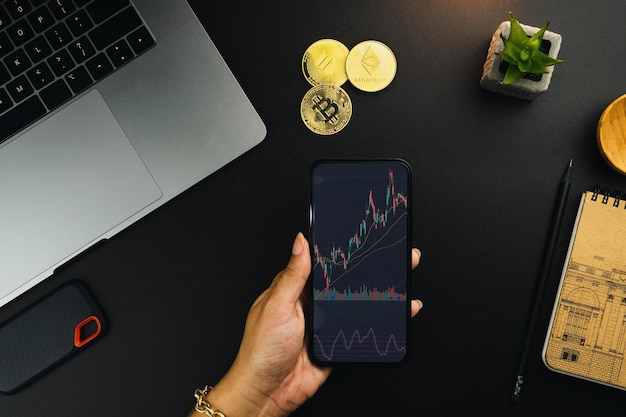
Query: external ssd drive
(45,334)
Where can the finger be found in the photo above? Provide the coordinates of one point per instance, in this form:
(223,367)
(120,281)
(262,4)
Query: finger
(416,306)
(416,255)
(290,282)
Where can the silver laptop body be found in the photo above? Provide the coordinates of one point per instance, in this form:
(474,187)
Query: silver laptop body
(133,141)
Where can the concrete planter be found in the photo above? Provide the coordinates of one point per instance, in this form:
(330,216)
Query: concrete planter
(527,89)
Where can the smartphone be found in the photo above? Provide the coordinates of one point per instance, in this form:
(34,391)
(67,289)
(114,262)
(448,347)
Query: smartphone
(359,291)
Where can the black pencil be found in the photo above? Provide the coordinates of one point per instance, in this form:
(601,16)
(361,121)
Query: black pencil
(546,262)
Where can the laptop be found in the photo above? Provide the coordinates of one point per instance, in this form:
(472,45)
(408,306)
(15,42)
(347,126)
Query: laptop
(108,109)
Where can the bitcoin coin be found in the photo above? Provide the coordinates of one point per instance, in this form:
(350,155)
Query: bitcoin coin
(371,66)
(324,62)
(326,109)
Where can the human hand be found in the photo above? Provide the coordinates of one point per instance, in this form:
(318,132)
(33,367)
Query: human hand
(272,374)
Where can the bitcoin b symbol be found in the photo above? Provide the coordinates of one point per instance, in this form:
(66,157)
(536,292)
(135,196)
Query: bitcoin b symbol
(325,109)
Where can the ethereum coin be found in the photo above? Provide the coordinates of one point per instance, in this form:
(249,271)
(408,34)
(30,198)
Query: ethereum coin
(326,109)
(324,62)
(371,66)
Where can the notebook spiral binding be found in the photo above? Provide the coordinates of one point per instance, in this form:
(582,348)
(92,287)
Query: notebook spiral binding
(606,195)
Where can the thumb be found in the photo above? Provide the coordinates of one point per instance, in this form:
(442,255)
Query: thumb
(290,282)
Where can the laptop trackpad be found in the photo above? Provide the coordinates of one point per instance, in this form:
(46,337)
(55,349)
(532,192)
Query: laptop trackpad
(63,185)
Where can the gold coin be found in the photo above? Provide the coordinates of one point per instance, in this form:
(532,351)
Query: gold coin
(324,62)
(326,109)
(611,134)
(371,66)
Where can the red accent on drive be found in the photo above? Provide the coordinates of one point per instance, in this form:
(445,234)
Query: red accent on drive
(80,339)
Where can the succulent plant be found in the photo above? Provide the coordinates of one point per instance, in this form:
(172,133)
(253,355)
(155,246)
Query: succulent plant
(522,53)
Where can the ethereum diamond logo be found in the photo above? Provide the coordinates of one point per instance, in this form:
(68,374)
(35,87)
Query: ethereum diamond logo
(370,61)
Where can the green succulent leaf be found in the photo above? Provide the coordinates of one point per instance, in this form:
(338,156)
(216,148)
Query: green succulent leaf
(511,52)
(534,42)
(525,66)
(512,74)
(507,57)
(517,35)
(541,61)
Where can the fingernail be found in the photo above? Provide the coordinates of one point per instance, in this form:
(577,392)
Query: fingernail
(297,244)
(420,303)
(419,252)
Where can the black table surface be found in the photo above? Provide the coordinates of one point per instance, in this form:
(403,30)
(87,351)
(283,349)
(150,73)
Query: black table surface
(177,285)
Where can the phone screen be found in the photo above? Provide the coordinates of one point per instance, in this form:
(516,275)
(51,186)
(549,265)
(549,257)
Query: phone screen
(361,258)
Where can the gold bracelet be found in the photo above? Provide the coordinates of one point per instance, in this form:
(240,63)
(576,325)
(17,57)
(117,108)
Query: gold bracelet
(202,405)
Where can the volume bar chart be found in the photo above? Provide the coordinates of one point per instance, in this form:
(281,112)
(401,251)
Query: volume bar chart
(361,294)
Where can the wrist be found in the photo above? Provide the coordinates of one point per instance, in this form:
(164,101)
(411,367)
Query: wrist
(231,401)
(232,397)
(239,400)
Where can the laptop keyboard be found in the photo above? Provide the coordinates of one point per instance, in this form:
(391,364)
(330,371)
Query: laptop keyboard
(51,50)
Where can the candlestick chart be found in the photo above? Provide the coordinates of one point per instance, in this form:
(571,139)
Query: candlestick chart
(344,271)
(360,260)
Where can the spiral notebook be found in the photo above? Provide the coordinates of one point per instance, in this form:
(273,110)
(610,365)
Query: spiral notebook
(586,337)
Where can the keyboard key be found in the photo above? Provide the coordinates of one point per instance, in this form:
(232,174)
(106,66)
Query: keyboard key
(37,3)
(100,10)
(20,116)
(99,66)
(81,50)
(17,62)
(61,8)
(5,20)
(37,49)
(61,62)
(78,79)
(140,40)
(5,101)
(79,23)
(58,36)
(19,89)
(115,28)
(18,8)
(4,74)
(41,19)
(5,44)
(20,32)
(56,94)
(40,75)
(119,53)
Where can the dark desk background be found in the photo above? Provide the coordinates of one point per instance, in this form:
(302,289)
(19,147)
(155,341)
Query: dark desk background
(177,286)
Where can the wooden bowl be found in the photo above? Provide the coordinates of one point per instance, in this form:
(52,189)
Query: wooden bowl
(611,134)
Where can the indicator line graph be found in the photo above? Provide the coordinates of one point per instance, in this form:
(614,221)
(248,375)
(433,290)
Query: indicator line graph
(342,343)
